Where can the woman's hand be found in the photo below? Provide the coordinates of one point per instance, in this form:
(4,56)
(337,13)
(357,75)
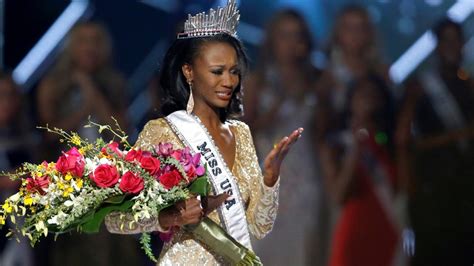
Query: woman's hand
(190,211)
(272,163)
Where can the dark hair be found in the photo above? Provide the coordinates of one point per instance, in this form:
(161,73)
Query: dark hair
(447,23)
(267,50)
(384,117)
(173,82)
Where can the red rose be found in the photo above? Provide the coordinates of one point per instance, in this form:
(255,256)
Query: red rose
(131,183)
(105,176)
(133,155)
(112,148)
(170,179)
(151,164)
(37,184)
(191,172)
(71,162)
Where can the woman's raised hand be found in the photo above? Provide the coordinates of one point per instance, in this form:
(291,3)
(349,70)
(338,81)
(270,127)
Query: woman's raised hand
(272,163)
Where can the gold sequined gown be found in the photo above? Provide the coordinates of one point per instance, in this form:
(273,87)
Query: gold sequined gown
(260,201)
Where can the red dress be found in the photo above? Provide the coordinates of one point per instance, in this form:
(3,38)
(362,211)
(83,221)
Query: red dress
(365,234)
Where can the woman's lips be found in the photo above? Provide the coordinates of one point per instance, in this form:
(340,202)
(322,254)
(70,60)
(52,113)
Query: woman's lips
(224,95)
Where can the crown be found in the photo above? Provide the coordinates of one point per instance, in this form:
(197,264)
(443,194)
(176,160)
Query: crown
(222,20)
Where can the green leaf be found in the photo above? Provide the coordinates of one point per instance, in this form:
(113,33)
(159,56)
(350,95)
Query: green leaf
(116,199)
(93,225)
(200,186)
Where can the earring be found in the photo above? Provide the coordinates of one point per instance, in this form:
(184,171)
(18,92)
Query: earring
(190,105)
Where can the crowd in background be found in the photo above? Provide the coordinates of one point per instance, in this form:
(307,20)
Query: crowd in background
(380,170)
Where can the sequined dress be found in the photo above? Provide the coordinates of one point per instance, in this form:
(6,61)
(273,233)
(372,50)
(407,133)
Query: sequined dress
(260,201)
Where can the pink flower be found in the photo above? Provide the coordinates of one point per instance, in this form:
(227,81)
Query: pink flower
(112,148)
(71,162)
(105,176)
(37,184)
(164,149)
(131,183)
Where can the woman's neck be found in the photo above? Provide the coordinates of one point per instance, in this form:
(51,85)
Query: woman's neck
(209,116)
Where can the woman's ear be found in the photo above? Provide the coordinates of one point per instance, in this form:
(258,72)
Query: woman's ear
(187,72)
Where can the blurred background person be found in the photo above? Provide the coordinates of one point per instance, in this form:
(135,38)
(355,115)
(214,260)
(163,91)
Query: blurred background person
(279,95)
(17,145)
(84,83)
(361,177)
(435,135)
(353,54)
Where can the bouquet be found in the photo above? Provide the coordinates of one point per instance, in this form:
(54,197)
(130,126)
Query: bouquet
(92,179)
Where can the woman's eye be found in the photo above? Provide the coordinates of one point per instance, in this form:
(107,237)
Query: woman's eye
(235,72)
(217,72)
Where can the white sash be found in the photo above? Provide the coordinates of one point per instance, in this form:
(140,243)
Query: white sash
(443,101)
(195,135)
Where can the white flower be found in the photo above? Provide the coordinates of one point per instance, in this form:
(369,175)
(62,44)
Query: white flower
(90,165)
(53,220)
(15,197)
(105,161)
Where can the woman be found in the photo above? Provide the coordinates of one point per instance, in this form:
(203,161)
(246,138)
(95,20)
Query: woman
(353,55)
(361,177)
(82,83)
(202,74)
(282,88)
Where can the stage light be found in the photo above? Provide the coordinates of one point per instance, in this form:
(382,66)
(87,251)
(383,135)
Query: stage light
(422,47)
(25,73)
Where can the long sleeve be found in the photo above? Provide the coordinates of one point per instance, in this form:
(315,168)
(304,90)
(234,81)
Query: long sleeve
(154,132)
(263,201)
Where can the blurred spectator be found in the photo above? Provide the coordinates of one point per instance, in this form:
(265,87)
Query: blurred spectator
(353,54)
(279,96)
(83,82)
(360,176)
(153,93)
(16,146)
(435,140)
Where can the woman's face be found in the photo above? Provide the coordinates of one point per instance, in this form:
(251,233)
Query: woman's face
(365,101)
(353,33)
(9,101)
(450,46)
(214,74)
(289,42)
(88,48)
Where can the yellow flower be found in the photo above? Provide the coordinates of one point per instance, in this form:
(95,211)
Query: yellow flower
(60,185)
(76,140)
(68,177)
(7,207)
(38,174)
(28,201)
(79,183)
(82,150)
(67,191)
(2,220)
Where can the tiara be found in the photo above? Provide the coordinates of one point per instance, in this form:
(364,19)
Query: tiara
(222,20)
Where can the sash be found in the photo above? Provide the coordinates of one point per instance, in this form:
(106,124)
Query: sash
(194,134)
(443,101)
(381,184)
